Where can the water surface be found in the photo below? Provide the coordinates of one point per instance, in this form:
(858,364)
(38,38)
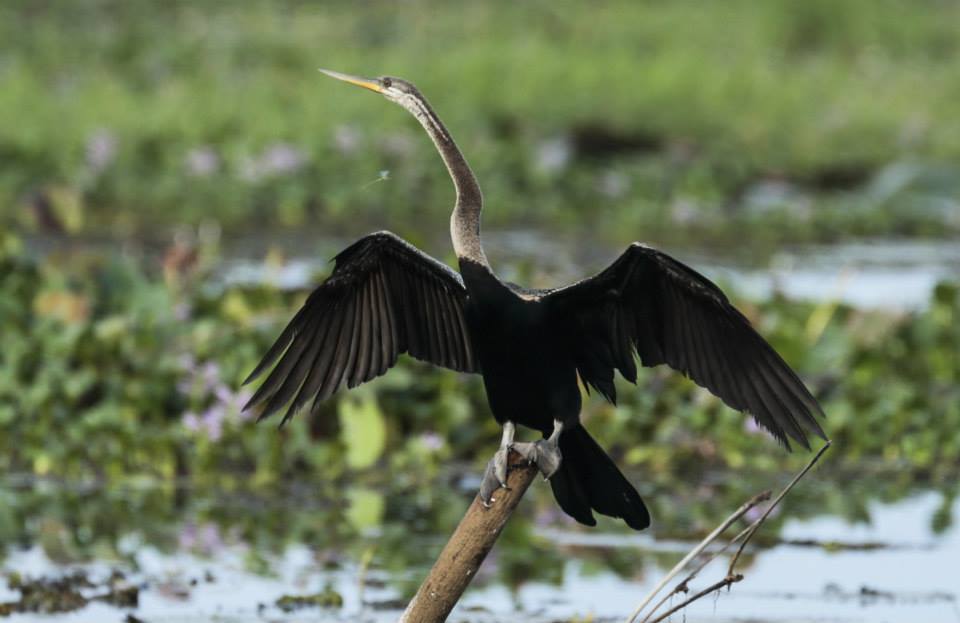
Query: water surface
(213,555)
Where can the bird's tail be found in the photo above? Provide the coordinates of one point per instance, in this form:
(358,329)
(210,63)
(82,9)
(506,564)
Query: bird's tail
(589,479)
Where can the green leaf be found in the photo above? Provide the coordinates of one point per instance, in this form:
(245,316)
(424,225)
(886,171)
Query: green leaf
(363,431)
(366,507)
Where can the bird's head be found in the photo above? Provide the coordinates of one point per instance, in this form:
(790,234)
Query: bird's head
(394,89)
(406,95)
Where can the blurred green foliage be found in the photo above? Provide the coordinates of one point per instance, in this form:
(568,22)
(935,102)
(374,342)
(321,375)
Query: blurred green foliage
(813,119)
(678,121)
(109,371)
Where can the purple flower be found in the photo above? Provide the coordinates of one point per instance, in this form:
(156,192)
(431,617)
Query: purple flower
(223,394)
(346,139)
(277,160)
(204,538)
(209,538)
(211,374)
(213,422)
(282,158)
(203,383)
(182,311)
(233,401)
(548,516)
(241,398)
(684,212)
(613,184)
(188,536)
(553,155)
(757,511)
(431,441)
(191,421)
(101,150)
(202,161)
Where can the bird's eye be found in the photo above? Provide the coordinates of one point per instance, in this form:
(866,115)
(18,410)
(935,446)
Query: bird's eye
(386,82)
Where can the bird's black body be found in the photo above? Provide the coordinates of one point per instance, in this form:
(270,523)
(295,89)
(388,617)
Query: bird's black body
(528,372)
(533,348)
(530,376)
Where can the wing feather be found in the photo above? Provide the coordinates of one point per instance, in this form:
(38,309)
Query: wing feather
(331,352)
(364,338)
(450,329)
(383,298)
(669,313)
(381,329)
(311,385)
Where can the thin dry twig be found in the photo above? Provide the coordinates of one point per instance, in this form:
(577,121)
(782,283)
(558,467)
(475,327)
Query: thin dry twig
(756,525)
(682,587)
(710,538)
(727,581)
(731,578)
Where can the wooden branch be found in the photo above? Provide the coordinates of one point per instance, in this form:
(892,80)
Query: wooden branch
(467,548)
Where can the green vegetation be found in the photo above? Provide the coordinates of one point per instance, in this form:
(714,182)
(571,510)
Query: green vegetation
(132,374)
(808,120)
(137,118)
(686,123)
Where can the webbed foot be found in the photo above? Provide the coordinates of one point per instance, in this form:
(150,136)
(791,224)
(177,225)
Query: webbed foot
(544,454)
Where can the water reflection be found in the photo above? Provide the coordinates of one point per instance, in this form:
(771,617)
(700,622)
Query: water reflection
(853,548)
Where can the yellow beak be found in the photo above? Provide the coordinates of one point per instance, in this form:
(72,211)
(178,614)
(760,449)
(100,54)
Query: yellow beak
(366,83)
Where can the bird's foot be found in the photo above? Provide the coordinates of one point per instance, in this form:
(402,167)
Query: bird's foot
(495,476)
(545,454)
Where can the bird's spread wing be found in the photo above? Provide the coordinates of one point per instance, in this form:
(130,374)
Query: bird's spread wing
(668,313)
(384,297)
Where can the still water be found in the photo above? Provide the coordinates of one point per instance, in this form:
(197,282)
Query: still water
(864,274)
(213,555)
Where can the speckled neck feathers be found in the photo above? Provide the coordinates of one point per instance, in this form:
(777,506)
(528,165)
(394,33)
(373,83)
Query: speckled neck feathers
(465,220)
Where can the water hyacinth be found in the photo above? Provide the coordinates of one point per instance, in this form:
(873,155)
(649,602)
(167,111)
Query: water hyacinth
(182,311)
(101,151)
(202,161)
(203,384)
(346,139)
(613,184)
(554,155)
(277,160)
(751,426)
(203,538)
(432,441)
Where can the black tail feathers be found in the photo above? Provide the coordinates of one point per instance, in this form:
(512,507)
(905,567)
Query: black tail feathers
(589,479)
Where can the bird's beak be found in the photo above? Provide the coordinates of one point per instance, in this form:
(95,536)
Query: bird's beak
(366,83)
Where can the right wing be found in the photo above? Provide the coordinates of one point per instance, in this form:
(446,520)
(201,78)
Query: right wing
(385,297)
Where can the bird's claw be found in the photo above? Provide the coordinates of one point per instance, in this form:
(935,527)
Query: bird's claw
(545,454)
(495,476)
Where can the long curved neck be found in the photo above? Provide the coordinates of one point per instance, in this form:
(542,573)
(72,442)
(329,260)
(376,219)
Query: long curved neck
(465,220)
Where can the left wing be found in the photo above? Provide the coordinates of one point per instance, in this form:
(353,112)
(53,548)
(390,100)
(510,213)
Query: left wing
(650,303)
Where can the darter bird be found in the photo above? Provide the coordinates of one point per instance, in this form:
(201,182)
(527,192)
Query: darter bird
(386,297)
